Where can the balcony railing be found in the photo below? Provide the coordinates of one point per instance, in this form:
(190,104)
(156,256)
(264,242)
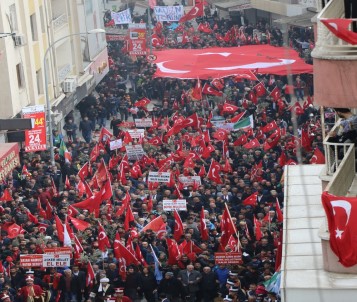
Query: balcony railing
(327,43)
(59,21)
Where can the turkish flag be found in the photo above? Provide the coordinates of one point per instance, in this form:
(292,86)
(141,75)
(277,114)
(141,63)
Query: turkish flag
(275,93)
(67,183)
(247,75)
(129,217)
(83,172)
(174,251)
(282,159)
(72,211)
(203,226)
(14,230)
(279,213)
(237,117)
(92,204)
(120,251)
(240,141)
(272,140)
(253,97)
(103,240)
(59,228)
(154,225)
(260,89)
(6,196)
(139,255)
(213,173)
(208,89)
(142,102)
(227,226)
(94,153)
(233,244)
(127,138)
(105,135)
(227,167)
(49,210)
(251,200)
(340,28)
(42,227)
(155,141)
(191,121)
(297,109)
(107,191)
(204,27)
(270,127)
(220,134)
(78,248)
(196,11)
(228,108)
(318,157)
(252,144)
(258,231)
(79,224)
(90,275)
(32,218)
(341,215)
(179,231)
(307,102)
(197,91)
(136,171)
(291,162)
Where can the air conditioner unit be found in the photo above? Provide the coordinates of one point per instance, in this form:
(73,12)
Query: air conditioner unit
(69,85)
(20,40)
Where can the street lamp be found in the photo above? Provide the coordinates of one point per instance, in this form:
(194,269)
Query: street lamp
(48,103)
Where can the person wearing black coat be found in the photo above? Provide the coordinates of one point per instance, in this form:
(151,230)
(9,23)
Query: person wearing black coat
(149,284)
(209,285)
(171,287)
(132,284)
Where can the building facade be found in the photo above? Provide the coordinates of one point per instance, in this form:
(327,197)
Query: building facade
(74,64)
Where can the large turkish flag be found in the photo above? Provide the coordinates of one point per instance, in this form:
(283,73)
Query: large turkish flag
(210,62)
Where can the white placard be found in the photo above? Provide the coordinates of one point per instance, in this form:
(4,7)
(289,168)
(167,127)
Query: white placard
(56,260)
(136,133)
(190,180)
(175,204)
(117,144)
(135,152)
(223,125)
(159,177)
(168,13)
(123,17)
(143,122)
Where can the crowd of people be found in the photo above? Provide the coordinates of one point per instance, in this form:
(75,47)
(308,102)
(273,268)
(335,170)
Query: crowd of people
(103,201)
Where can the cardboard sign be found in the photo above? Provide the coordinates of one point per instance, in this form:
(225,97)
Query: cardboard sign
(228,258)
(56,260)
(58,250)
(136,133)
(117,144)
(169,13)
(134,152)
(190,180)
(143,122)
(35,139)
(34,260)
(123,17)
(175,204)
(159,177)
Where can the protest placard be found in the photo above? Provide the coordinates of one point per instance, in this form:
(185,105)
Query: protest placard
(159,177)
(189,180)
(134,152)
(169,13)
(123,17)
(228,258)
(136,133)
(143,122)
(117,144)
(170,205)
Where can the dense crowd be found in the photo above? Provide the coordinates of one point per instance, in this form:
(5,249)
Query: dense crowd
(104,202)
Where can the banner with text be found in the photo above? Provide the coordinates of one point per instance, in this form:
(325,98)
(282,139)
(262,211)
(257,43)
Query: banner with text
(168,13)
(56,260)
(117,144)
(136,133)
(190,180)
(228,258)
(159,177)
(137,39)
(123,17)
(134,152)
(34,260)
(143,122)
(35,139)
(175,204)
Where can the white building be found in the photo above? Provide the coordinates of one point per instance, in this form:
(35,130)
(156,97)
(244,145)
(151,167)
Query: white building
(75,64)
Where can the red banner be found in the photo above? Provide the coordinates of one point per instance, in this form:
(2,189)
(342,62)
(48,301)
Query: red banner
(137,39)
(58,250)
(228,258)
(35,139)
(9,159)
(34,260)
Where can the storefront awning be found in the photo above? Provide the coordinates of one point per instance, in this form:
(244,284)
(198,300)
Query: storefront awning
(234,5)
(303,20)
(9,159)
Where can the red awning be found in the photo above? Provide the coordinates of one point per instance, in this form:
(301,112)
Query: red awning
(9,159)
(227,61)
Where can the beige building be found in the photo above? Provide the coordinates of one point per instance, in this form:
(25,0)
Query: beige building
(74,64)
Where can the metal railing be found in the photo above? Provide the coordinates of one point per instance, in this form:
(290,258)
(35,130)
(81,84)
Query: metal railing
(327,43)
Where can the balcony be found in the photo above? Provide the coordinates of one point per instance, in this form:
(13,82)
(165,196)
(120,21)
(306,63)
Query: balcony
(59,21)
(335,63)
(341,168)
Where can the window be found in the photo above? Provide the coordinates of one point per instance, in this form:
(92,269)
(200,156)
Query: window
(13,17)
(34,27)
(89,7)
(39,81)
(42,16)
(20,75)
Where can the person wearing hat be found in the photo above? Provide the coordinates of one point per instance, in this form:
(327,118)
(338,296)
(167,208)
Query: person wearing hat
(119,296)
(103,290)
(31,292)
(5,297)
